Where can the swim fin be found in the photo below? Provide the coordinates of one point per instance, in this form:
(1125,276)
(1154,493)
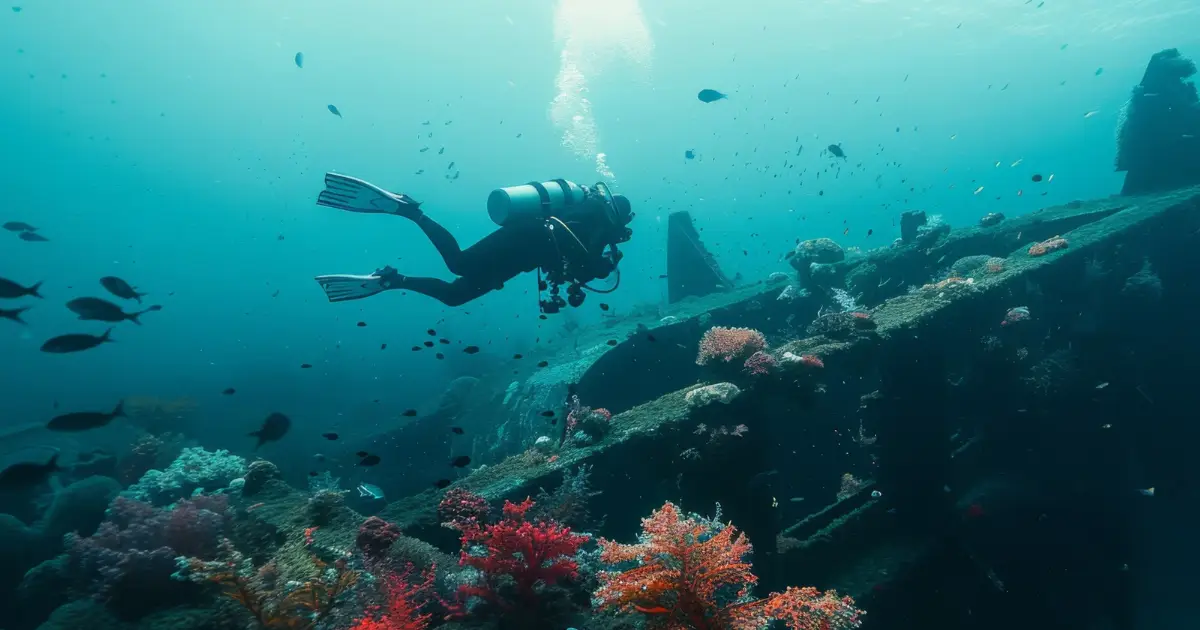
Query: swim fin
(355,195)
(344,287)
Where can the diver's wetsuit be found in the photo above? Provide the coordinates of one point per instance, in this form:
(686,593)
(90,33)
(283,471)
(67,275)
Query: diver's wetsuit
(509,252)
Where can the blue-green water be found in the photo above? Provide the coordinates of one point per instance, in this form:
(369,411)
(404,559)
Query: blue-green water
(178,146)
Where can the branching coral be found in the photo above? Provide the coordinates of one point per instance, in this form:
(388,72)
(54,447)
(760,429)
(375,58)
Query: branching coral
(692,574)
(406,598)
(514,555)
(273,606)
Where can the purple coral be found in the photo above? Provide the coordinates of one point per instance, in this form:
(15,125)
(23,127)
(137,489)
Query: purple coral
(760,364)
(375,537)
(132,555)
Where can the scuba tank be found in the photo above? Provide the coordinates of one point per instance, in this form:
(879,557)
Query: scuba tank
(535,200)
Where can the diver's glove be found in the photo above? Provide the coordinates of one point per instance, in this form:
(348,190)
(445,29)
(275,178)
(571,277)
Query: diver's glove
(345,287)
(355,195)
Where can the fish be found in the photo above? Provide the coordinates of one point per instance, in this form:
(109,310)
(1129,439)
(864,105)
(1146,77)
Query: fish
(362,324)
(75,342)
(439,356)
(1147,492)
(1099,71)
(461,461)
(305,366)
(370,490)
(1036,177)
(229,391)
(543,364)
(383,346)
(96,309)
(471,349)
(518,356)
(121,289)
(19,226)
(361,454)
(409,413)
(456,430)
(25,475)
(331,436)
(10,289)
(369,460)
(689,154)
(14,313)
(85,420)
(273,429)
(299,59)
(32,237)
(836,151)
(334,110)
(1091,113)
(549,413)
(444,342)
(428,344)
(604,307)
(431,332)
(611,342)
(709,96)
(441,483)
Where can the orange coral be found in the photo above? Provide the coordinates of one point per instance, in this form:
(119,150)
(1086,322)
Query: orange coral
(691,574)
(1047,246)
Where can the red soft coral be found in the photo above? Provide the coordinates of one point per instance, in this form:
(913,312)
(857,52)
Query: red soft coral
(405,599)
(692,575)
(519,553)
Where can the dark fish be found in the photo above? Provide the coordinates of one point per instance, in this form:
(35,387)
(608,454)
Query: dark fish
(441,483)
(611,342)
(305,366)
(369,460)
(651,338)
(96,309)
(548,413)
(428,344)
(14,314)
(409,413)
(689,154)
(120,288)
(334,110)
(84,420)
(75,342)
(604,307)
(870,232)
(330,436)
(274,428)
(229,391)
(10,289)
(456,430)
(362,453)
(19,226)
(518,356)
(383,346)
(836,151)
(24,475)
(299,60)
(444,342)
(471,349)
(362,324)
(431,332)
(460,461)
(708,96)
(313,473)
(32,237)
(1036,177)
(439,356)
(543,364)
(416,348)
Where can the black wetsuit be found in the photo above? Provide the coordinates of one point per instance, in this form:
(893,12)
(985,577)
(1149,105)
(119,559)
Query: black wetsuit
(511,251)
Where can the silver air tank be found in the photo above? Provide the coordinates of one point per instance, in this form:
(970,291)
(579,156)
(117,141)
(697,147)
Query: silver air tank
(535,200)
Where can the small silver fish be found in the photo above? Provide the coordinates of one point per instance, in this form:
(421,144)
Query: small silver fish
(370,490)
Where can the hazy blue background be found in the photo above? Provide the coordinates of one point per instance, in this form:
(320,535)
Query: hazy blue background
(172,143)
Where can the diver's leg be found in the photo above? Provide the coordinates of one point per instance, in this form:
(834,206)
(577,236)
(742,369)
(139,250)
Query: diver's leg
(455,293)
(443,241)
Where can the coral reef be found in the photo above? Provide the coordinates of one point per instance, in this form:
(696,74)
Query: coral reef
(194,469)
(690,572)
(375,537)
(726,345)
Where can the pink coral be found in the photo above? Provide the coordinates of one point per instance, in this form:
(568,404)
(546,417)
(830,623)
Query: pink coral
(729,344)
(812,360)
(460,508)
(1047,246)
(760,363)
(375,537)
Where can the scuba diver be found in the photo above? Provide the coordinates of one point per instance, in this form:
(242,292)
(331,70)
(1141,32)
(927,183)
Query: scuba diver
(566,231)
